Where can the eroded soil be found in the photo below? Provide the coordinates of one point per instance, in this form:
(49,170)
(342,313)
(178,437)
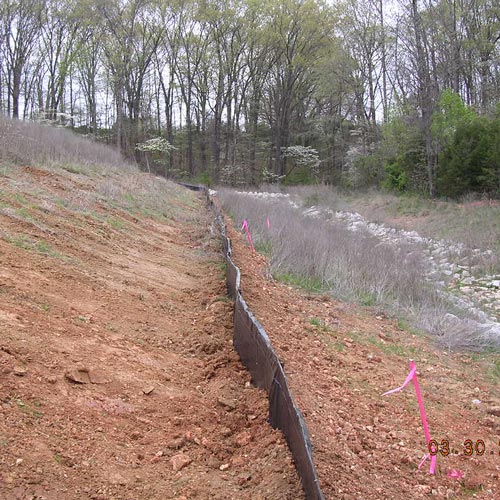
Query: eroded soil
(117,375)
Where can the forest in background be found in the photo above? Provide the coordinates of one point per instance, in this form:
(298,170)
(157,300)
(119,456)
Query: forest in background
(357,93)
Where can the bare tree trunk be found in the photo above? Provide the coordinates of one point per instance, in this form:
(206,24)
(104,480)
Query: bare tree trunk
(425,96)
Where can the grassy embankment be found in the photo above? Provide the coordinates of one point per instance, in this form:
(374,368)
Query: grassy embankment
(322,255)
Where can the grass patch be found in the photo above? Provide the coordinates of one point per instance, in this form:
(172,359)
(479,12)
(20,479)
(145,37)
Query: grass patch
(31,410)
(223,298)
(320,325)
(309,284)
(265,248)
(116,223)
(73,169)
(39,246)
(21,199)
(24,213)
(367,299)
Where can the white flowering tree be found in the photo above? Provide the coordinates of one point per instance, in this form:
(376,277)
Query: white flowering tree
(302,157)
(158,149)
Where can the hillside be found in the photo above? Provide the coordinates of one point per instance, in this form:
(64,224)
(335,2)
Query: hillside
(340,358)
(117,374)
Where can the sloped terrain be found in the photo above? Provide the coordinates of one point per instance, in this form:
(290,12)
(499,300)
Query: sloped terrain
(117,374)
(340,359)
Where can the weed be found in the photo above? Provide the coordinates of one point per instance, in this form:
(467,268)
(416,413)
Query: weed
(72,169)
(45,307)
(471,490)
(315,322)
(24,213)
(116,223)
(264,248)
(367,299)
(27,408)
(338,346)
(61,202)
(40,246)
(223,298)
(309,284)
(20,199)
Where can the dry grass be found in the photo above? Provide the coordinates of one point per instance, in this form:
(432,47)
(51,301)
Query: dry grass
(325,256)
(104,177)
(25,143)
(473,221)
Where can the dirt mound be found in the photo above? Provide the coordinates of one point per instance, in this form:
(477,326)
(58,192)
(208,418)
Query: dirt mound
(117,375)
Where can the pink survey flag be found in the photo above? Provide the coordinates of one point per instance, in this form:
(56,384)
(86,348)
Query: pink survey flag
(412,376)
(249,238)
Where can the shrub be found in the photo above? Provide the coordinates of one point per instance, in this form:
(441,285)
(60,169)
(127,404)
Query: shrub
(471,162)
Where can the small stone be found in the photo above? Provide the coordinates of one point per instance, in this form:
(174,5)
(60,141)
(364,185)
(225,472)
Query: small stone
(244,478)
(20,371)
(176,443)
(243,438)
(476,401)
(148,390)
(116,478)
(83,375)
(229,404)
(78,376)
(180,461)
(19,461)
(491,422)
(374,359)
(226,431)
(494,410)
(224,467)
(8,479)
(369,428)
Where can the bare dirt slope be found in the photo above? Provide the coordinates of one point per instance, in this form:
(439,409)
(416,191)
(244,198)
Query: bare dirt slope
(341,358)
(117,374)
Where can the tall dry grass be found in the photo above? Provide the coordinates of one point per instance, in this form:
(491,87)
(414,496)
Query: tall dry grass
(116,182)
(323,254)
(27,143)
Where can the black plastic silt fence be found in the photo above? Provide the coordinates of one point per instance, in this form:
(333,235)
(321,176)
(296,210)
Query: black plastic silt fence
(257,354)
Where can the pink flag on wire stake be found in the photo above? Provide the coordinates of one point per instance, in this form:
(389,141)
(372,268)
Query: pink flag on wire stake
(268,224)
(412,376)
(249,238)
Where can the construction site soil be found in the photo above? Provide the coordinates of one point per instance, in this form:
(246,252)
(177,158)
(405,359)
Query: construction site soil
(117,375)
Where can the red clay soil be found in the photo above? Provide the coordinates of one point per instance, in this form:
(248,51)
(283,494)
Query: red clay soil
(341,358)
(117,375)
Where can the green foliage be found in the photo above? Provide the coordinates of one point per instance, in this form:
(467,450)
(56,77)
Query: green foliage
(397,178)
(367,171)
(308,283)
(404,152)
(204,178)
(298,176)
(451,113)
(471,163)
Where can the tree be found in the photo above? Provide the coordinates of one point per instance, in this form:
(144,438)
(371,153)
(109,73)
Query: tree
(21,25)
